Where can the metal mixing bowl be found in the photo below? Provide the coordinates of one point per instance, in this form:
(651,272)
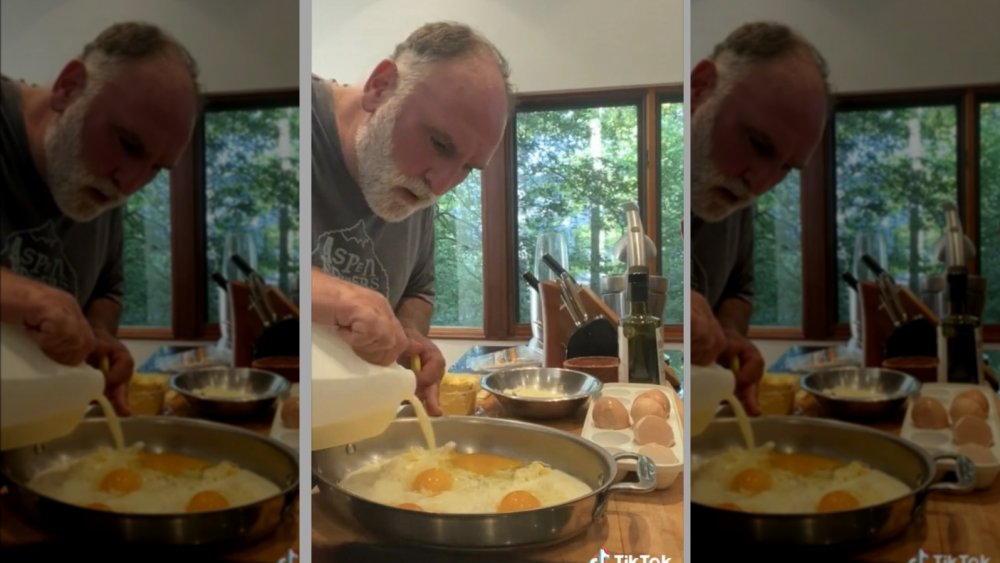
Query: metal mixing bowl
(880,391)
(256,390)
(571,390)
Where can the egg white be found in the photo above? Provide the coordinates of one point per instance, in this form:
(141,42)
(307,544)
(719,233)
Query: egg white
(390,482)
(78,482)
(790,493)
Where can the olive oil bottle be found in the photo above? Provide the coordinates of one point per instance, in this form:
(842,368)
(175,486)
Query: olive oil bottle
(958,330)
(639,329)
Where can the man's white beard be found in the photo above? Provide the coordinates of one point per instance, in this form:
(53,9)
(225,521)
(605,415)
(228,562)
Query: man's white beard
(65,173)
(378,173)
(708,200)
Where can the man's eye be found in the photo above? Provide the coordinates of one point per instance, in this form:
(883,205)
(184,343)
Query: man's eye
(130,147)
(438,145)
(761,145)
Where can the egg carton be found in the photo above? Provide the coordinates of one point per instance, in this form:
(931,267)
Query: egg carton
(616,441)
(279,431)
(937,442)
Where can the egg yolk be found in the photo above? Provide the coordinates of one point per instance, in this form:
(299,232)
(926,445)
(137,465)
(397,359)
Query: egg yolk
(837,500)
(98,506)
(802,464)
(751,481)
(483,464)
(122,480)
(410,506)
(516,501)
(432,481)
(171,464)
(729,506)
(205,501)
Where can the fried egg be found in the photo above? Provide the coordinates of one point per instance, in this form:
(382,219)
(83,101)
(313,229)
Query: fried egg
(445,481)
(764,481)
(136,481)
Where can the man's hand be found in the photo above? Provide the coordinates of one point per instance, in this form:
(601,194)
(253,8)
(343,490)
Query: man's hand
(51,317)
(431,369)
(364,318)
(120,369)
(707,338)
(751,368)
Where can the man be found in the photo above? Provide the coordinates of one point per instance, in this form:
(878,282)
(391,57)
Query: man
(383,153)
(759,105)
(72,153)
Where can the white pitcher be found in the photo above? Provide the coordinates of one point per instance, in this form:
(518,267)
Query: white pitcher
(352,399)
(40,399)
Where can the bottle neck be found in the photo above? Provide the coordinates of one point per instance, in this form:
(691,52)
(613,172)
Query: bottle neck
(637,308)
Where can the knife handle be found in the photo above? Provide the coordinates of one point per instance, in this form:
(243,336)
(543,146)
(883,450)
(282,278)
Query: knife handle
(242,265)
(850,280)
(531,279)
(553,264)
(217,278)
(872,264)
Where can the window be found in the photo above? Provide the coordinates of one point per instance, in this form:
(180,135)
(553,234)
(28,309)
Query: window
(458,256)
(568,164)
(885,168)
(239,176)
(672,207)
(148,299)
(252,195)
(989,206)
(778,256)
(895,168)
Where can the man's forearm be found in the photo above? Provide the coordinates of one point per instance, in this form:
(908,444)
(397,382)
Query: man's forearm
(734,314)
(415,313)
(104,313)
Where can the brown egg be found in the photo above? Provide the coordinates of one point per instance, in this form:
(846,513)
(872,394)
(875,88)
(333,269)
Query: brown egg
(644,406)
(659,397)
(653,429)
(660,454)
(966,406)
(929,413)
(977,396)
(972,429)
(609,412)
(980,455)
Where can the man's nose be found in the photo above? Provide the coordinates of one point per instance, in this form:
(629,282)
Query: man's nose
(443,178)
(763,176)
(130,179)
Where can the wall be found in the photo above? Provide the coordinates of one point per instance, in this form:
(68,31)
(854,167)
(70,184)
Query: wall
(551,44)
(888,44)
(239,44)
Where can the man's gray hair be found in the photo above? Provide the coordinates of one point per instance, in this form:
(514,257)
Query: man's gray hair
(439,42)
(137,42)
(767,41)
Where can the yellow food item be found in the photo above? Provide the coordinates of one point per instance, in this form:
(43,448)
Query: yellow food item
(433,481)
(206,501)
(776,393)
(835,501)
(458,394)
(516,501)
(752,481)
(147,392)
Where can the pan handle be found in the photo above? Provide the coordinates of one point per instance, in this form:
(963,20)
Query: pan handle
(965,472)
(644,468)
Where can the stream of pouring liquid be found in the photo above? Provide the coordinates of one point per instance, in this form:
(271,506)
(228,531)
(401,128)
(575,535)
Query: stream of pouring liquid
(114,425)
(424,421)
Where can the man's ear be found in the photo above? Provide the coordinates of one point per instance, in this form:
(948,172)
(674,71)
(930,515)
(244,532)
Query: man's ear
(704,76)
(68,85)
(380,85)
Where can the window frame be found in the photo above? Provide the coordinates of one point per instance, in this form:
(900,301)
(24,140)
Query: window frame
(187,223)
(818,201)
(499,205)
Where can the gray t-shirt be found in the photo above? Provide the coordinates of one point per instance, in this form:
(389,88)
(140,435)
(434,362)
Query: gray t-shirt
(722,257)
(349,240)
(39,242)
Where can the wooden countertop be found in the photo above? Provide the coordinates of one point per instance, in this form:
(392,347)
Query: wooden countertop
(636,523)
(21,538)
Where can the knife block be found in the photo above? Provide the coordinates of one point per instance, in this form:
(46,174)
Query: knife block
(558,326)
(876,324)
(247,326)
